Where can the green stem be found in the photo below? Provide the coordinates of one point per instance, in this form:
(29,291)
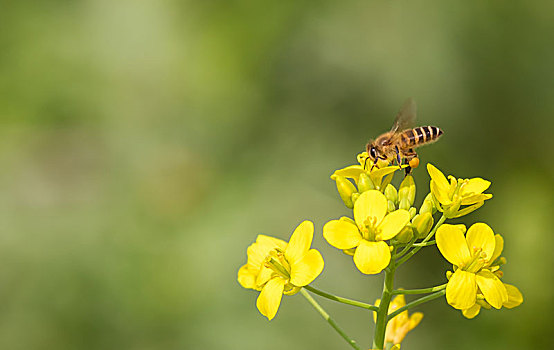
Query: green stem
(421,244)
(417,302)
(419,291)
(328,318)
(342,300)
(406,248)
(381,323)
(426,244)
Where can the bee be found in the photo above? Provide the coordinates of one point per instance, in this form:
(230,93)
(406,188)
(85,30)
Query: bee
(398,144)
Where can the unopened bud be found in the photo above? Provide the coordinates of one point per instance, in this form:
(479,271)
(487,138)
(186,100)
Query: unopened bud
(413,212)
(365,183)
(346,189)
(355,197)
(405,235)
(428,205)
(423,224)
(391,193)
(406,193)
(391,207)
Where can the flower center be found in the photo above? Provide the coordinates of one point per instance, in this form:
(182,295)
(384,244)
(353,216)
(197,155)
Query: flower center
(370,230)
(276,261)
(478,260)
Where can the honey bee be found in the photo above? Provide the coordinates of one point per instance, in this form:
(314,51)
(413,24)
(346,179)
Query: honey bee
(398,144)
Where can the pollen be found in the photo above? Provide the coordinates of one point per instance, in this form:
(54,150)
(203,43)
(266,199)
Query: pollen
(414,162)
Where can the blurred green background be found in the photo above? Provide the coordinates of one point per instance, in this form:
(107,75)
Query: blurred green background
(145,144)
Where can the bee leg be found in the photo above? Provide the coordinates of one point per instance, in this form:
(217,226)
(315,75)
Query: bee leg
(410,154)
(408,169)
(398,158)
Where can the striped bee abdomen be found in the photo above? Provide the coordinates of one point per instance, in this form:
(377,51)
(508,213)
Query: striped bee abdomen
(421,135)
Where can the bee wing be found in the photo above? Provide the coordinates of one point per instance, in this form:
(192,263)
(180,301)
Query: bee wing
(405,119)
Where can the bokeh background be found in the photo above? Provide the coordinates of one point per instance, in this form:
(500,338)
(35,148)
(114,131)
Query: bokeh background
(145,144)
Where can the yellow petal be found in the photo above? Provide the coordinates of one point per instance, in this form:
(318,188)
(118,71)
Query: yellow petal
(452,244)
(300,241)
(468,209)
(263,276)
(474,186)
(370,204)
(258,251)
(372,257)
(472,311)
(305,270)
(438,178)
(393,223)
(378,174)
(515,298)
(476,198)
(492,288)
(341,234)
(480,235)
(247,276)
(415,319)
(461,290)
(440,194)
(498,247)
(352,172)
(270,297)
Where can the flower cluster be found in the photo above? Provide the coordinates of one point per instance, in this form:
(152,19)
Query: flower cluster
(383,232)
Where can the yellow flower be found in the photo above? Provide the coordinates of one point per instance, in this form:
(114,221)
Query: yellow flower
(371,178)
(400,325)
(450,194)
(473,257)
(276,267)
(372,226)
(515,298)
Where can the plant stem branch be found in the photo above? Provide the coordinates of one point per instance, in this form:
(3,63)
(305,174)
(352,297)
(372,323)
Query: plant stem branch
(419,291)
(328,318)
(341,299)
(417,302)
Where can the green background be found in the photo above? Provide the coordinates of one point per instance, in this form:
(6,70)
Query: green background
(145,144)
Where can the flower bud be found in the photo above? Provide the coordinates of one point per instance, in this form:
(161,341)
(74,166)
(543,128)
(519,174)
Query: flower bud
(405,235)
(412,212)
(391,206)
(422,224)
(428,205)
(391,194)
(365,183)
(406,193)
(354,198)
(346,189)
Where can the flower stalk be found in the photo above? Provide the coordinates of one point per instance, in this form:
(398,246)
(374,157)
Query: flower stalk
(382,313)
(328,318)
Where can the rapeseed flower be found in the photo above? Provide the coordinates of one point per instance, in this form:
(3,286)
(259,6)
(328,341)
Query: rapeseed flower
(366,176)
(276,267)
(365,236)
(451,194)
(473,257)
